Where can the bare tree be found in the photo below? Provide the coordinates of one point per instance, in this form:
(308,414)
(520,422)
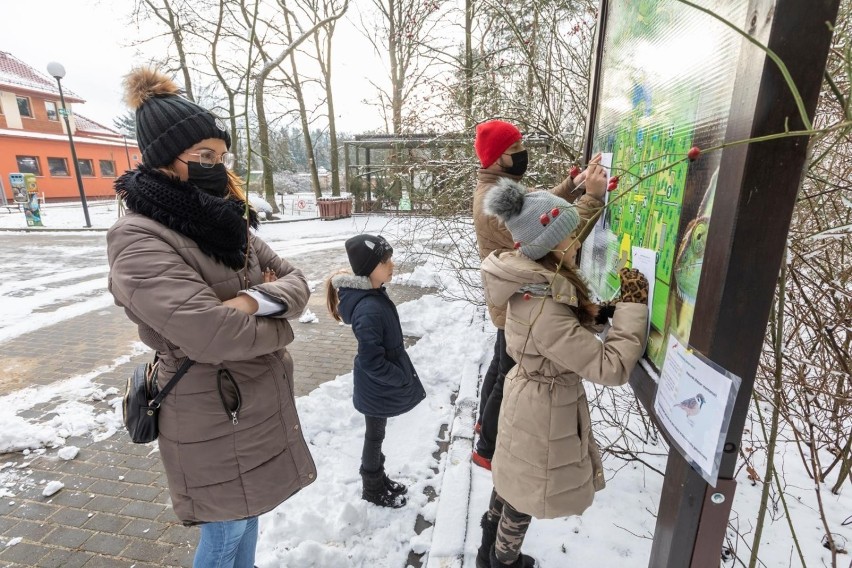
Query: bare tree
(403,32)
(232,75)
(172,14)
(271,63)
(296,84)
(317,9)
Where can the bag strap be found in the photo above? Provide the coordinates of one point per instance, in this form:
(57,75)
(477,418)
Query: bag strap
(180,372)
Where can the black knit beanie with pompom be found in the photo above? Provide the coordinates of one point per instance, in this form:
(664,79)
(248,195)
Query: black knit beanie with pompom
(167,124)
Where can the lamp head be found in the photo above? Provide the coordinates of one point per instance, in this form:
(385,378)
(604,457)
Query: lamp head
(56,69)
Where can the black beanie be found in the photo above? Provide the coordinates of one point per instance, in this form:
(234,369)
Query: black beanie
(365,252)
(167,124)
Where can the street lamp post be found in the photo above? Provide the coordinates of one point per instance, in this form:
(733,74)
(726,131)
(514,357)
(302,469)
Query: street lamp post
(127,152)
(58,72)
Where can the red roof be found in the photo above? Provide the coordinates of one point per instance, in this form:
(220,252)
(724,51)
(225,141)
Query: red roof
(16,74)
(90,126)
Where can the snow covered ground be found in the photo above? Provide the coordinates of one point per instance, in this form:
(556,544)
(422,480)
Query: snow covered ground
(103,213)
(327,524)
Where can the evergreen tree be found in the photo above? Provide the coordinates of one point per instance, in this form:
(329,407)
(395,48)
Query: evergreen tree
(126,124)
(280,151)
(297,150)
(322,148)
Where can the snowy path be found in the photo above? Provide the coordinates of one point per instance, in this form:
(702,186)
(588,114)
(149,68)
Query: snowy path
(51,277)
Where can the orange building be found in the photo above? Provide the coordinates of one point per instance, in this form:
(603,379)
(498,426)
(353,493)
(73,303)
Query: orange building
(33,138)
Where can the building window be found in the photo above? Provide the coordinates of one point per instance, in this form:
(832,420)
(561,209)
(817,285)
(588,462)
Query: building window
(28,165)
(57,166)
(24,106)
(107,168)
(50,107)
(86,167)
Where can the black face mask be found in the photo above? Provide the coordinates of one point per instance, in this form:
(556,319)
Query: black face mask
(213,181)
(519,163)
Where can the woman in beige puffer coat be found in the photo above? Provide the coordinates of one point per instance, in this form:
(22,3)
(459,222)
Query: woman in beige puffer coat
(547,463)
(201,287)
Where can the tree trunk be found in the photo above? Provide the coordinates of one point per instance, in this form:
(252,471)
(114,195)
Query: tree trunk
(332,126)
(263,136)
(303,115)
(532,57)
(187,81)
(306,130)
(397,78)
(468,65)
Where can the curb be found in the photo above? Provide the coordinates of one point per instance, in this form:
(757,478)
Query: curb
(50,230)
(449,531)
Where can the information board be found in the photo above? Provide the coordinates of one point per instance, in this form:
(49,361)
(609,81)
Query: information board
(666,84)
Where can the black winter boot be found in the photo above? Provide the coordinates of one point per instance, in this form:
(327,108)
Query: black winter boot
(523,561)
(394,487)
(375,491)
(489,536)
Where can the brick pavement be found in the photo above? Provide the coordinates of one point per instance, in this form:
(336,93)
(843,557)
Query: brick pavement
(113,511)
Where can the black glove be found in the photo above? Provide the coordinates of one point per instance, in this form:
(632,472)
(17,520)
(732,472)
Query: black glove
(605,311)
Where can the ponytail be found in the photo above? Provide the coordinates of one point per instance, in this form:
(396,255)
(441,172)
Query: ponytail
(332,300)
(586,310)
(235,187)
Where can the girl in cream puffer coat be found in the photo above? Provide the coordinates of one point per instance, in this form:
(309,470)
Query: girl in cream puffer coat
(547,463)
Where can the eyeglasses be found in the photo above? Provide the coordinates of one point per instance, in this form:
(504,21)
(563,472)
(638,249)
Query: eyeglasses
(209,158)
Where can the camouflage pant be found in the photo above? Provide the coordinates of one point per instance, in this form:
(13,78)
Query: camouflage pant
(511,529)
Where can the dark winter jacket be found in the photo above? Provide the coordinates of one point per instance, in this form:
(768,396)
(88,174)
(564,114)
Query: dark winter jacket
(386,383)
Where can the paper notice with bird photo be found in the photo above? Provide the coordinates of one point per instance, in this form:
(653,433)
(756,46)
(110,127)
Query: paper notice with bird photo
(694,401)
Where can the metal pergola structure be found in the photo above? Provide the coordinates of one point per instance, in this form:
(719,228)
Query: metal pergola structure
(362,164)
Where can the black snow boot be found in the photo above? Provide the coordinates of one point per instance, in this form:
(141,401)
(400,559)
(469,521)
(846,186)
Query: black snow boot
(489,536)
(375,491)
(394,487)
(523,561)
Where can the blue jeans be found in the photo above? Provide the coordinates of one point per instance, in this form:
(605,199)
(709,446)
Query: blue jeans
(227,544)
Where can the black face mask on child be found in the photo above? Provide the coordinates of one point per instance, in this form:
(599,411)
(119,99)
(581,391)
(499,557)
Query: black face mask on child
(212,181)
(519,163)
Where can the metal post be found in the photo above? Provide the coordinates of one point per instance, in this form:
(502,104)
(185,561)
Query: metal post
(126,151)
(346,167)
(58,71)
(369,179)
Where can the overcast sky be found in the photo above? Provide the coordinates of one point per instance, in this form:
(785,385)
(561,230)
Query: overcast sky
(92,38)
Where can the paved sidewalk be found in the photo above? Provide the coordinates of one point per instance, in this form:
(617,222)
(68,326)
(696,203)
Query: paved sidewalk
(113,511)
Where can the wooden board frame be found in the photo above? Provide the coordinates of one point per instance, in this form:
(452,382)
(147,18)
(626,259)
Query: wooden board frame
(756,192)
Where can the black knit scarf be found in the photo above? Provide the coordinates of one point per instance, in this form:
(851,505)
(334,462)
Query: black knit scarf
(217,225)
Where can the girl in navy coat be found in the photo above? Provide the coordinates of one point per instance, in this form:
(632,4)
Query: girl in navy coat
(386,383)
